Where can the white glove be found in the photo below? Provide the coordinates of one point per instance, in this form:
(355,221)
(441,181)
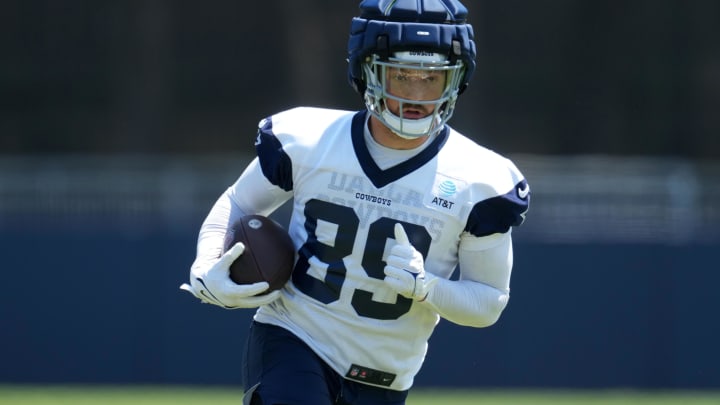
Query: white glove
(211,283)
(405,269)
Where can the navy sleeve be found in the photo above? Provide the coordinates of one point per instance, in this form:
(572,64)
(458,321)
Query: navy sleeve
(498,214)
(275,163)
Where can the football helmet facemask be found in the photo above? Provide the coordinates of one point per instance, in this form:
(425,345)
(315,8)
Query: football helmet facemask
(422,87)
(418,40)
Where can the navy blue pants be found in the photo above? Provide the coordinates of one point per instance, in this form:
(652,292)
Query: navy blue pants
(280,369)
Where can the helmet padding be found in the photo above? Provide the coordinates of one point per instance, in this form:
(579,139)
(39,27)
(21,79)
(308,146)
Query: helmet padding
(417,34)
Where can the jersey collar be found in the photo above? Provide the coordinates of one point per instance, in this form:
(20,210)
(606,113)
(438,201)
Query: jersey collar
(380,178)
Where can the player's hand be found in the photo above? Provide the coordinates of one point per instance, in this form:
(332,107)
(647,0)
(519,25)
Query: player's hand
(211,283)
(405,269)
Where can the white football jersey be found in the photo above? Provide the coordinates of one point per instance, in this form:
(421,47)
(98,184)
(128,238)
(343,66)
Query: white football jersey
(343,214)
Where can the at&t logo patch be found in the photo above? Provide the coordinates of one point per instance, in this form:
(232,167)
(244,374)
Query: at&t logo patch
(447,189)
(443,196)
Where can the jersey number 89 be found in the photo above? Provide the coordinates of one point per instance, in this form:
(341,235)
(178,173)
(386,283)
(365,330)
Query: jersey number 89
(328,289)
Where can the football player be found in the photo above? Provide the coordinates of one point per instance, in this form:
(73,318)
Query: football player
(386,203)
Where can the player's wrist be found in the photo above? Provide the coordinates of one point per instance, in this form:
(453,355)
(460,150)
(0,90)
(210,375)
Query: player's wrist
(424,286)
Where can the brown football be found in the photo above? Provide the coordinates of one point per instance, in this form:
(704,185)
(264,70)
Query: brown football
(269,252)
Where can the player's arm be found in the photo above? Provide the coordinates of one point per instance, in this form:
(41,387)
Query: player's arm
(485,258)
(481,293)
(252,193)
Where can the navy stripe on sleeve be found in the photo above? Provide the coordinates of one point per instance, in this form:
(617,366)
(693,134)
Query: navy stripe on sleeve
(275,163)
(498,214)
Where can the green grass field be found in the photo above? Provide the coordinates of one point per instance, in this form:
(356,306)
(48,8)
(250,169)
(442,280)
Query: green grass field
(79,395)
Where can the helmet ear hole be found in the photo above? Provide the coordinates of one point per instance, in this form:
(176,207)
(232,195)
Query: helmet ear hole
(358,85)
(381,46)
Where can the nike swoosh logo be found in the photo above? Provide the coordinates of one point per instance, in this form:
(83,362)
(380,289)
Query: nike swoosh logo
(523,192)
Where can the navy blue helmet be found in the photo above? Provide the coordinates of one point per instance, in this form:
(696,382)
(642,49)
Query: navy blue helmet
(422,35)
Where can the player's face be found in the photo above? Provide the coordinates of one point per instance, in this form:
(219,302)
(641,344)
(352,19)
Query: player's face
(415,85)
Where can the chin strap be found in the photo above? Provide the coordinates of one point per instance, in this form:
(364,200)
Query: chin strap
(410,129)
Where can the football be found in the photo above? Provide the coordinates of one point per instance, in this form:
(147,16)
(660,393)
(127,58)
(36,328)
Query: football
(269,252)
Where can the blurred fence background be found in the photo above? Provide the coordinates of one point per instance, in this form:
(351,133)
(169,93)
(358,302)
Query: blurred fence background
(121,122)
